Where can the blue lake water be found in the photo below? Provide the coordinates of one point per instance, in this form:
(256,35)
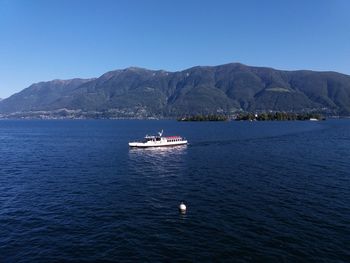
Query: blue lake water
(255,192)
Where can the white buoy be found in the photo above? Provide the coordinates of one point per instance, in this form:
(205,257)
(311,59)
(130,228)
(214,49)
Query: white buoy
(182,207)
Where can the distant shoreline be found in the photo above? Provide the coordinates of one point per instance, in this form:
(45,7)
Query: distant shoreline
(276,116)
(161,119)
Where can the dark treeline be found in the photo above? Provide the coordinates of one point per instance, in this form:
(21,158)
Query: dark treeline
(279,116)
(265,116)
(204,118)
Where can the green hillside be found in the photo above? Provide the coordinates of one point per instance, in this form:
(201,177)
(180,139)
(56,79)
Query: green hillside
(200,90)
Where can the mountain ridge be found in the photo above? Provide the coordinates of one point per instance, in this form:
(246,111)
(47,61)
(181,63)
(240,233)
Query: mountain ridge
(226,89)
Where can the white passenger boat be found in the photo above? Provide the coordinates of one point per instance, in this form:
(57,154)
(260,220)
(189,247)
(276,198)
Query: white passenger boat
(159,141)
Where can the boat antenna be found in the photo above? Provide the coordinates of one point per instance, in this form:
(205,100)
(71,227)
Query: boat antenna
(160,133)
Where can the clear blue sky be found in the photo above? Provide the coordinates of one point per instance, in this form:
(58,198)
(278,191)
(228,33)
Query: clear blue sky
(44,40)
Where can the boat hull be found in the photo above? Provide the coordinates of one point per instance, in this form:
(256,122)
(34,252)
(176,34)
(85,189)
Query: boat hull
(156,144)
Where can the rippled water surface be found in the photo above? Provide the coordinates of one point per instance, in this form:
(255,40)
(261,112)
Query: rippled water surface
(255,191)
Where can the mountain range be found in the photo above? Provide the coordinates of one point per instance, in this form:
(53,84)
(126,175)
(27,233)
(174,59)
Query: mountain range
(226,89)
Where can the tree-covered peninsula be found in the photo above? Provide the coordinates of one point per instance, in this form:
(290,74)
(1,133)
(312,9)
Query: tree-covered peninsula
(279,116)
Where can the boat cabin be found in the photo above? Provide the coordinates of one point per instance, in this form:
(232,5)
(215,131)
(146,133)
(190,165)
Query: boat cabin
(152,138)
(173,139)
